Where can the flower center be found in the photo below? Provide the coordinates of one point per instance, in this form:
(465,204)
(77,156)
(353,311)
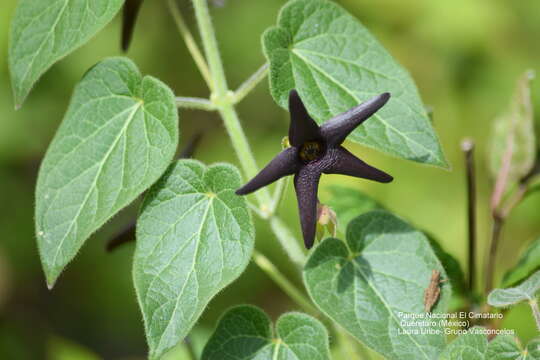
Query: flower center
(311,150)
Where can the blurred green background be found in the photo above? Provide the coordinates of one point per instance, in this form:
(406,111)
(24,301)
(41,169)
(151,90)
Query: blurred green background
(465,56)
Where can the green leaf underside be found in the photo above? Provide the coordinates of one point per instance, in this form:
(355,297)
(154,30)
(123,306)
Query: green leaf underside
(117,138)
(527,264)
(245,332)
(349,202)
(526,291)
(43,32)
(472,345)
(513,137)
(335,64)
(382,271)
(504,347)
(194,237)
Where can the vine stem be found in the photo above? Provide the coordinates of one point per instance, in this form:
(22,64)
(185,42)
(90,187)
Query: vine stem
(190,43)
(210,48)
(194,103)
(468,149)
(223,99)
(269,268)
(496,230)
(243,151)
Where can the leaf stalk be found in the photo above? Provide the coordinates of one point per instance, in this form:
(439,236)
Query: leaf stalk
(250,84)
(195,103)
(190,43)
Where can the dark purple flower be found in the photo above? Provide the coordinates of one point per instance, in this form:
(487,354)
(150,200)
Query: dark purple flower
(317,150)
(131,11)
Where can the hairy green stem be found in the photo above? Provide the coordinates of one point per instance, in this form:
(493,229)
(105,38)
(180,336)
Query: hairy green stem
(250,83)
(211,48)
(223,99)
(492,254)
(194,103)
(266,265)
(241,146)
(190,43)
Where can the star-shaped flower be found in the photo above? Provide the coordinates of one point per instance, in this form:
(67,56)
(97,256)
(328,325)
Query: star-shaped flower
(317,150)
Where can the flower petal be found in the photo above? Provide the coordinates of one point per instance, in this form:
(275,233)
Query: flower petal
(303,128)
(345,163)
(335,130)
(131,10)
(285,163)
(306,183)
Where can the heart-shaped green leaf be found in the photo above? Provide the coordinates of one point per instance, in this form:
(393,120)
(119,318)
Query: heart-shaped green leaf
(350,202)
(43,32)
(194,237)
(117,138)
(245,332)
(471,345)
(377,280)
(526,291)
(529,262)
(334,63)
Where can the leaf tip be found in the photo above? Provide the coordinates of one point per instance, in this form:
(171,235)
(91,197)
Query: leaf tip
(51,281)
(18,99)
(440,161)
(445,165)
(51,276)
